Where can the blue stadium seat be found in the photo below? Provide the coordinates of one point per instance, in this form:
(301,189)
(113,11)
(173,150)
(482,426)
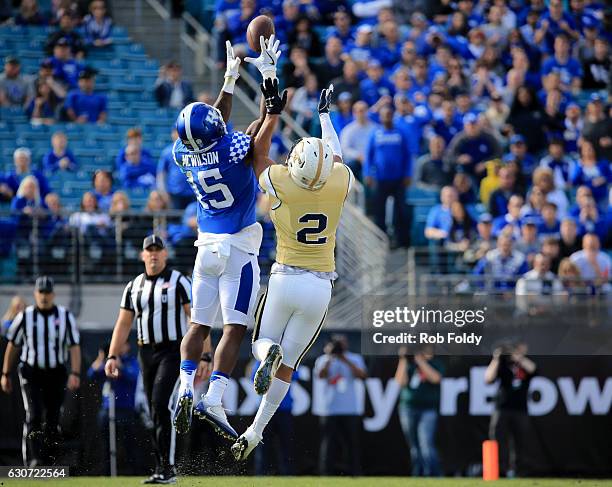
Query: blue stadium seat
(419,196)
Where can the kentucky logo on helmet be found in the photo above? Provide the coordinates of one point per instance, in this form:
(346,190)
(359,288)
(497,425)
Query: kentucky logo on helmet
(200,126)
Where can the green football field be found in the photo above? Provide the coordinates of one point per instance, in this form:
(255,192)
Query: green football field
(308,482)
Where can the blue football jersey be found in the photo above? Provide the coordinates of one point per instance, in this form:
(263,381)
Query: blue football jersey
(225,186)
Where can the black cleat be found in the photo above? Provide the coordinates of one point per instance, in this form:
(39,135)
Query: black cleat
(267,369)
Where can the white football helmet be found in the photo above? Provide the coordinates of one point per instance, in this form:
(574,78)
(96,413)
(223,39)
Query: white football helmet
(310,163)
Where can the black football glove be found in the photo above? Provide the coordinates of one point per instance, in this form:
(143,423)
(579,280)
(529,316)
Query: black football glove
(275,102)
(326,99)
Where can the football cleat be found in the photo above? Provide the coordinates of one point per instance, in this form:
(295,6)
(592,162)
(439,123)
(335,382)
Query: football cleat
(267,369)
(165,478)
(183,411)
(215,415)
(244,445)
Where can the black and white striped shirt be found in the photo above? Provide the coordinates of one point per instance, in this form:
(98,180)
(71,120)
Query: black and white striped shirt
(44,336)
(158,303)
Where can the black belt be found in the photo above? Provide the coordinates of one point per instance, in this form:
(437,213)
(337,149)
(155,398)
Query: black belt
(158,346)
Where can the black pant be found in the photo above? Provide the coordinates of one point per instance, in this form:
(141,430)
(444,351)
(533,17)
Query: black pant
(340,434)
(509,428)
(43,394)
(401,225)
(160,371)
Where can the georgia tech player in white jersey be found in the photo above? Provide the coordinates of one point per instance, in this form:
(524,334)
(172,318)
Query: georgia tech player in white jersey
(307,196)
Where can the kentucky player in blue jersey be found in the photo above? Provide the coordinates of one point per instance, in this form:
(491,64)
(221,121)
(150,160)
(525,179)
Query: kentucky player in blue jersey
(219,167)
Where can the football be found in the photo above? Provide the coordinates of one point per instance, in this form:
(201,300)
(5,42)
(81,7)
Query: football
(259,26)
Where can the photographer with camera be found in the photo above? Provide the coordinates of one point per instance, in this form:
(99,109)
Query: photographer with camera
(419,403)
(342,410)
(509,423)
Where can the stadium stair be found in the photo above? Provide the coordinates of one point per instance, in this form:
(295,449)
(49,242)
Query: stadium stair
(161,40)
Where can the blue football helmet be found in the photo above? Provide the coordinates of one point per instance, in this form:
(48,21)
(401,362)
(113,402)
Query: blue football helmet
(200,126)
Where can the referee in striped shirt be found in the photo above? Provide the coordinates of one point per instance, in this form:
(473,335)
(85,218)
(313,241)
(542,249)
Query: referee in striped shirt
(42,336)
(159,299)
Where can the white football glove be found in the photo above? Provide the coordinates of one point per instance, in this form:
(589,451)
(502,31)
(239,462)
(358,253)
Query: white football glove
(232,69)
(268,59)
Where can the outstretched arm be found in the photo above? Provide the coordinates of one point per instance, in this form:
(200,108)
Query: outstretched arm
(224,100)
(275,102)
(329,134)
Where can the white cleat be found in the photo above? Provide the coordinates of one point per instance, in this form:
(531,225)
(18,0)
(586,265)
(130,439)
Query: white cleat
(244,445)
(215,415)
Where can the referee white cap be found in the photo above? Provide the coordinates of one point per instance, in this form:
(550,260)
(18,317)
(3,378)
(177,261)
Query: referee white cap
(153,241)
(44,284)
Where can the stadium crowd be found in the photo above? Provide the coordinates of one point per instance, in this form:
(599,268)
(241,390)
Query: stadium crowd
(499,107)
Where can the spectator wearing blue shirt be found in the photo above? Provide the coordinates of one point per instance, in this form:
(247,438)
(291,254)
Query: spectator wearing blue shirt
(439,218)
(499,199)
(59,158)
(83,105)
(360,50)
(22,159)
(344,114)
(97,26)
(342,28)
(553,22)
(387,171)
(569,69)
(503,265)
(561,165)
(389,47)
(549,225)
(170,89)
(136,173)
(472,147)
(449,124)
(411,121)
(102,182)
(592,173)
(573,127)
(65,68)
(518,155)
(237,22)
(375,85)
(26,205)
(284,22)
(510,223)
(171,180)
(134,136)
(591,220)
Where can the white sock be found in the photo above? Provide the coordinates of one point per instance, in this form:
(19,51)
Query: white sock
(260,348)
(216,388)
(269,404)
(187,379)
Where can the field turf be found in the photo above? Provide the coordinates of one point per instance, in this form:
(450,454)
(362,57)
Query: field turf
(306,482)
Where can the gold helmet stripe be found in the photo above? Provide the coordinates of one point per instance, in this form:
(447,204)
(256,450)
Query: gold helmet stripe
(315,180)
